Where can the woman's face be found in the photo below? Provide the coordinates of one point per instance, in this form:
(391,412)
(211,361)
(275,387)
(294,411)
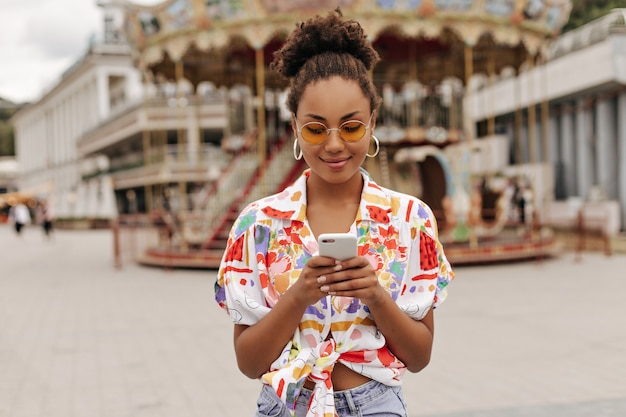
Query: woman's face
(333,102)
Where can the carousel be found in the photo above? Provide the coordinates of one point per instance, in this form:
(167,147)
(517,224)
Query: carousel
(432,52)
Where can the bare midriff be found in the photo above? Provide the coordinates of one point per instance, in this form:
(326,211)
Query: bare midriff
(343,378)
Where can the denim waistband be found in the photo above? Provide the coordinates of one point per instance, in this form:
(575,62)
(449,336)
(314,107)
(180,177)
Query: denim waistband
(350,398)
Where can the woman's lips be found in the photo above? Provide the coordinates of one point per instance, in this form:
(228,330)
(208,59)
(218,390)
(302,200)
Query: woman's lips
(336,163)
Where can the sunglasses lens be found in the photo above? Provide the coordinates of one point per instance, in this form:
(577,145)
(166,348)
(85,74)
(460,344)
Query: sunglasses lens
(314,133)
(352,131)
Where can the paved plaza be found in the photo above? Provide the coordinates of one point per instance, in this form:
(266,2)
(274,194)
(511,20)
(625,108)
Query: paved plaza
(80,338)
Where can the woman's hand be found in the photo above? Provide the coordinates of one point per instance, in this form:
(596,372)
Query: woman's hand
(354,277)
(410,340)
(308,289)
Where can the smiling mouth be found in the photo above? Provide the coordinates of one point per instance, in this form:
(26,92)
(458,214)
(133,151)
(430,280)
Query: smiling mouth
(336,163)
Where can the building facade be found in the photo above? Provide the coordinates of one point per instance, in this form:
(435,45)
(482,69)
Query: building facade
(102,84)
(569,113)
(109,140)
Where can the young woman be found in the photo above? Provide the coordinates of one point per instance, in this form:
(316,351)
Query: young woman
(329,337)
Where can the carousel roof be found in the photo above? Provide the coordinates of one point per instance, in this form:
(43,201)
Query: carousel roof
(216,40)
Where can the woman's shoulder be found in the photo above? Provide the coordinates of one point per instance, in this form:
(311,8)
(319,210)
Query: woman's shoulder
(401,203)
(412,205)
(270,209)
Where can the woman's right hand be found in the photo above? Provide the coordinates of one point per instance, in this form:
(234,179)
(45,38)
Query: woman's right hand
(308,289)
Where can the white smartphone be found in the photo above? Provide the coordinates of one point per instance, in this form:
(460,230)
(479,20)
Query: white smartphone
(337,245)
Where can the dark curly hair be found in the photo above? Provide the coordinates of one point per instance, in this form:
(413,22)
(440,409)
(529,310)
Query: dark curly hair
(322,47)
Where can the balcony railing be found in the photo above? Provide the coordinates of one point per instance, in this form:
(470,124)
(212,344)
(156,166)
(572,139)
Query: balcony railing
(157,159)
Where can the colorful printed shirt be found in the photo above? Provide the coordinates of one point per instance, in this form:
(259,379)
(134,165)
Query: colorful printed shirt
(268,246)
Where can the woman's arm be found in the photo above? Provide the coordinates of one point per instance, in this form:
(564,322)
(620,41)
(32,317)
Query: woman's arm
(409,339)
(257,346)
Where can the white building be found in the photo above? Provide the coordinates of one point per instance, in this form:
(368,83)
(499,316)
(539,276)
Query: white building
(582,87)
(104,140)
(100,85)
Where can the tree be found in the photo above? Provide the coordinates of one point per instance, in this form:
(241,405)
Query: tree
(584,11)
(7,140)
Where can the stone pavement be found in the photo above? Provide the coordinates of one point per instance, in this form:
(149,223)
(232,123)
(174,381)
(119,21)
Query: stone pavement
(79,338)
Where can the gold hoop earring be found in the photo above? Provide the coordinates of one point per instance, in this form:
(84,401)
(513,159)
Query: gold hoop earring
(377,147)
(297,154)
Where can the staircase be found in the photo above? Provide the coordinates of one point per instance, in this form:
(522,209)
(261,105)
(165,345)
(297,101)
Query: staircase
(228,189)
(280,170)
(206,231)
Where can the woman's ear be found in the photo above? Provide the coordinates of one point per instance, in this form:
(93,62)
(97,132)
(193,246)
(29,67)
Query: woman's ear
(294,128)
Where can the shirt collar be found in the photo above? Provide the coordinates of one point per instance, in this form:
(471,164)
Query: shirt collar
(376,203)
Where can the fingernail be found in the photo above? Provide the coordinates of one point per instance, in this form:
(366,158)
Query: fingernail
(321,279)
(324,288)
(338,267)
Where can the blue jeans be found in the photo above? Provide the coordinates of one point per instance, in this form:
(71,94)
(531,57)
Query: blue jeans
(372,399)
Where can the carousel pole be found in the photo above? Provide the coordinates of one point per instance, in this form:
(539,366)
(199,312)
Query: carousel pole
(262,139)
(518,123)
(147,151)
(413,117)
(545,116)
(469,70)
(413,61)
(491,121)
(158,156)
(532,112)
(182,185)
(146,162)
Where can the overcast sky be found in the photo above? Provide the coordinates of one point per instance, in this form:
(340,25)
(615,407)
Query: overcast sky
(39,39)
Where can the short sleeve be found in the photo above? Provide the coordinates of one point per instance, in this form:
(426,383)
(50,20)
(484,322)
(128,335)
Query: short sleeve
(238,287)
(428,272)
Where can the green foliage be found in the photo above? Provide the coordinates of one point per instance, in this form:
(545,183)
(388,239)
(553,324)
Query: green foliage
(7,136)
(7,141)
(584,11)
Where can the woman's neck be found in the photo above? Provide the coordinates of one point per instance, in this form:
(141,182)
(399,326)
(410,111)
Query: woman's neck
(332,208)
(325,193)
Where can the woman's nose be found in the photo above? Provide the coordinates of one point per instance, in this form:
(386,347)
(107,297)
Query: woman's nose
(334,140)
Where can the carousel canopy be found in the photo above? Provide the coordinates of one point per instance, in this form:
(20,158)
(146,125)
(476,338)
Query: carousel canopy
(424,40)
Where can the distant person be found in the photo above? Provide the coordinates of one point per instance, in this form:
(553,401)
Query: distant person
(19,215)
(521,205)
(524,201)
(45,217)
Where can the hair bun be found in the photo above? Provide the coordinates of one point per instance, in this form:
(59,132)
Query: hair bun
(321,35)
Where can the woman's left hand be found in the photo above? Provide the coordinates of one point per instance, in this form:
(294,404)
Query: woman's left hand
(354,277)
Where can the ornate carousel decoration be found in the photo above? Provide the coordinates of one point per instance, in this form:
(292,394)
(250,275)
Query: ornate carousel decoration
(430,49)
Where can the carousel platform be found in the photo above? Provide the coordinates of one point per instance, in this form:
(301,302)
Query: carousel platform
(510,245)
(175,258)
